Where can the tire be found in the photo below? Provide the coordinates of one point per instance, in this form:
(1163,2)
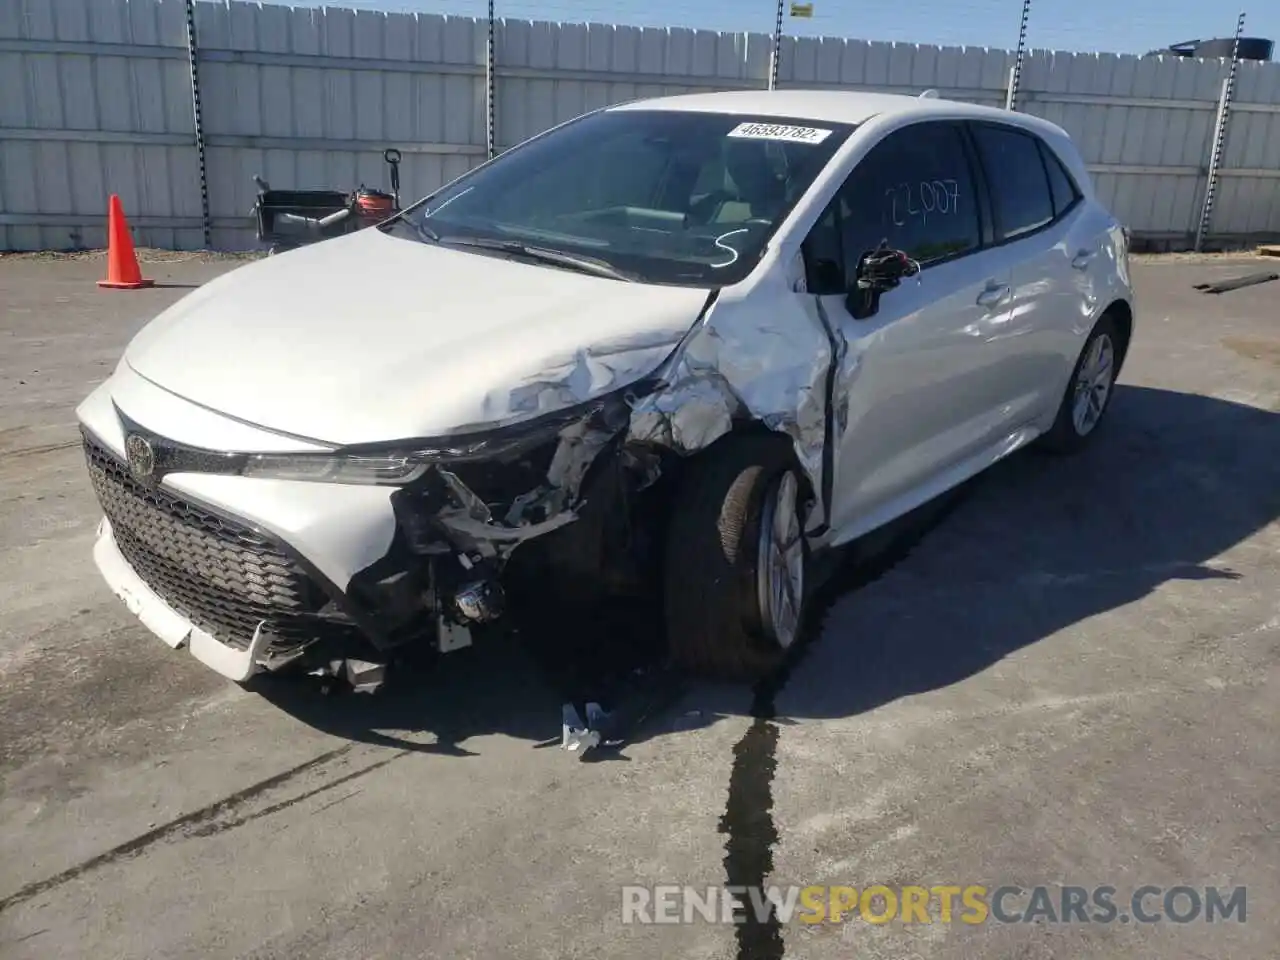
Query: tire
(717,625)
(1068,434)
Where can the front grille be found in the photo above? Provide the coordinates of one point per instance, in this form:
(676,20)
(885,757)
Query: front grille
(223,576)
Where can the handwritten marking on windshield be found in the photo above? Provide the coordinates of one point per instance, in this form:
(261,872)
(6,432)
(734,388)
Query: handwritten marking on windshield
(432,213)
(727,249)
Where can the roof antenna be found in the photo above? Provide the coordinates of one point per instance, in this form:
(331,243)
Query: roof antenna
(929,94)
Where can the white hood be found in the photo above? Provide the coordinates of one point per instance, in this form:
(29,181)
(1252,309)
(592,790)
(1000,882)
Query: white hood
(369,337)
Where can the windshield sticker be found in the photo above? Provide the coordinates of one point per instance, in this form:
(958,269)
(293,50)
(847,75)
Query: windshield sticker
(776,131)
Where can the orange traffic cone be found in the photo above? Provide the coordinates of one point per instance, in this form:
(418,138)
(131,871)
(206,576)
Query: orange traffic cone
(123,272)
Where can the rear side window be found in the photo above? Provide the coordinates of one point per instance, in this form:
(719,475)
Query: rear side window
(1016,177)
(915,190)
(1061,186)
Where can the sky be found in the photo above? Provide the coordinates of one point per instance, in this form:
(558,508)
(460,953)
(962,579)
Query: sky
(1117,26)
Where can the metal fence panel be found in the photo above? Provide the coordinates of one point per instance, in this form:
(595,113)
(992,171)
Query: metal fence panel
(95,97)
(309,97)
(1248,201)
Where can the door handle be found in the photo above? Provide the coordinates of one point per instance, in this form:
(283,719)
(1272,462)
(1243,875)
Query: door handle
(1082,259)
(993,295)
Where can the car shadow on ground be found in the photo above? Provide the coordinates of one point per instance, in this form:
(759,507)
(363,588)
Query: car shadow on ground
(1171,481)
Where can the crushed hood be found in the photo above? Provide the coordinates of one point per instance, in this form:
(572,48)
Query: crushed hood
(370,337)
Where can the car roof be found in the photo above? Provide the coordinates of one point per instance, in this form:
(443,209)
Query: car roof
(839,106)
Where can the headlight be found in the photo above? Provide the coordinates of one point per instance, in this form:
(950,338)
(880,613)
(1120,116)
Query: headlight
(335,468)
(402,463)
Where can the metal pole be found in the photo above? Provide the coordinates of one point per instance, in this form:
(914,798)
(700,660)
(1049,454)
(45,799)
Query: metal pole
(490,144)
(775,54)
(193,61)
(1015,76)
(1219,137)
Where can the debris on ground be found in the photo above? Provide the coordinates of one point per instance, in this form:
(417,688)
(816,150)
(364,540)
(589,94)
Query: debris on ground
(579,736)
(1226,286)
(633,701)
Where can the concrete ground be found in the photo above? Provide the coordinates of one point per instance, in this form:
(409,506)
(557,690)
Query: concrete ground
(1072,679)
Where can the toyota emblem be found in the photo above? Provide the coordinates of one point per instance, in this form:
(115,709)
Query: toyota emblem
(142,459)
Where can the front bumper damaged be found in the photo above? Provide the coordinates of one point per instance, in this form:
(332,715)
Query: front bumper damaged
(254,573)
(172,627)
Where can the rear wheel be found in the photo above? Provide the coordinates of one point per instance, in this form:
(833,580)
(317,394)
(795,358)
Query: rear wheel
(1088,395)
(735,559)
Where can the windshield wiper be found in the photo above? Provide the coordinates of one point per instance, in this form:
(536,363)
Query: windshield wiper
(559,258)
(420,225)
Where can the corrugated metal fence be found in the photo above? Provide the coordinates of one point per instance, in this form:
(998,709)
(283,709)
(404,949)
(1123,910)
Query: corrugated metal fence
(95,97)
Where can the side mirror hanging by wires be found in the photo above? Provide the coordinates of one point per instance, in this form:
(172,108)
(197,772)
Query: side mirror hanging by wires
(878,271)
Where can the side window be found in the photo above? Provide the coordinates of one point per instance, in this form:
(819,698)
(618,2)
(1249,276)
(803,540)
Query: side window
(915,191)
(1019,185)
(1061,186)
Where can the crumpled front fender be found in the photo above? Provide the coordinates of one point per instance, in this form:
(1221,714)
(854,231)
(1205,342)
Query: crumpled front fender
(744,363)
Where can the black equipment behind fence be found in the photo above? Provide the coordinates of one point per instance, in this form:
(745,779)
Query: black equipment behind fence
(292,218)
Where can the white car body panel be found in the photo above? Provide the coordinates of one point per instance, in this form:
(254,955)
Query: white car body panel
(919,396)
(170,415)
(391,339)
(339,528)
(369,338)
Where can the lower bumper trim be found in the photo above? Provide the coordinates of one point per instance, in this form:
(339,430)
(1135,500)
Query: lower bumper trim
(165,622)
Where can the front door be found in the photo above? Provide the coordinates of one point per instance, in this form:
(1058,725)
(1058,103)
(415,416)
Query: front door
(916,396)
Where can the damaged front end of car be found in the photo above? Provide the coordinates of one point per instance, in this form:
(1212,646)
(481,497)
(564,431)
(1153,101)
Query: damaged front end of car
(525,515)
(536,522)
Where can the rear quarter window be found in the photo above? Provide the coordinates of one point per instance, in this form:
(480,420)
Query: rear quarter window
(1063,189)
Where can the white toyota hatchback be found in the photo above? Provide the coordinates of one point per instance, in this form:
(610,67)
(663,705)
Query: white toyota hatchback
(670,350)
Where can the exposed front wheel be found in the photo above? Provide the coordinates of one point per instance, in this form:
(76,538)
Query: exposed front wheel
(780,561)
(735,559)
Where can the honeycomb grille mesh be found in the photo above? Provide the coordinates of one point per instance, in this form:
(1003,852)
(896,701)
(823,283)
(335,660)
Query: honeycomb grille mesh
(223,576)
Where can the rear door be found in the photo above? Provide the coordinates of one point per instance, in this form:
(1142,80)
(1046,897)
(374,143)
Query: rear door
(914,396)
(1038,217)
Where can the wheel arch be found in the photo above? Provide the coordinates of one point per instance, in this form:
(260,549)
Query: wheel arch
(752,427)
(1121,313)
(676,466)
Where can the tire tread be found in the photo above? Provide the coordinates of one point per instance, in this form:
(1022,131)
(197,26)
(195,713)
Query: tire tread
(710,569)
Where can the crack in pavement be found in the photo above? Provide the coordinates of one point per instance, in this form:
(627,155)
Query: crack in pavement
(37,450)
(181,826)
(213,829)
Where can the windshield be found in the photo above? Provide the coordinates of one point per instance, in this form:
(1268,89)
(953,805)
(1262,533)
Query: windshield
(659,196)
